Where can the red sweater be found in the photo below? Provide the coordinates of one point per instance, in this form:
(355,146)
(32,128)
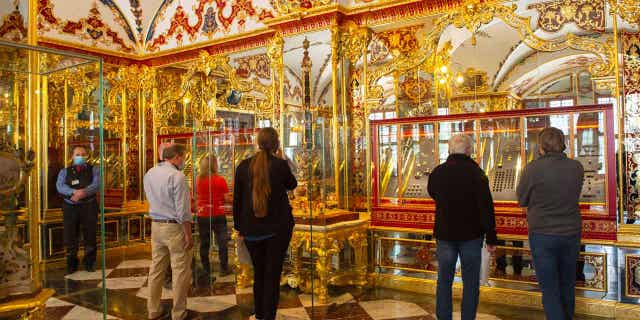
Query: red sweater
(211,191)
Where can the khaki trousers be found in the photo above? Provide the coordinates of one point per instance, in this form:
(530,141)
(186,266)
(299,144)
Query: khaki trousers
(167,245)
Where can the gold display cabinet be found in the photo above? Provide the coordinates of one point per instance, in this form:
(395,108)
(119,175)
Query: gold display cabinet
(38,109)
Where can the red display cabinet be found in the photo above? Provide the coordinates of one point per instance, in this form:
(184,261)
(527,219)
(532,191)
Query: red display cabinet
(405,151)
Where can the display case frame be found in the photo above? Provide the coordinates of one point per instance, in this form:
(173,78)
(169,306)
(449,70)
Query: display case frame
(415,213)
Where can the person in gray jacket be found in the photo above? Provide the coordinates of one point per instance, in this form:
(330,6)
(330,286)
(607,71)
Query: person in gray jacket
(550,189)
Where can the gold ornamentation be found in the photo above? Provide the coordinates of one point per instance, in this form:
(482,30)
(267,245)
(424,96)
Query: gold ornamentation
(599,264)
(256,64)
(631,71)
(418,90)
(628,10)
(295,6)
(632,277)
(475,14)
(400,41)
(15,273)
(586,14)
(474,81)
(13,26)
(324,244)
(354,40)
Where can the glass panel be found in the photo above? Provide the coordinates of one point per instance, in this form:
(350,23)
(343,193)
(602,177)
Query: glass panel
(61,119)
(388,160)
(590,151)
(500,155)
(447,129)
(418,159)
(535,124)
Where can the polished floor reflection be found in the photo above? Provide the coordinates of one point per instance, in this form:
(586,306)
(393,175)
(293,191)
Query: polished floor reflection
(79,296)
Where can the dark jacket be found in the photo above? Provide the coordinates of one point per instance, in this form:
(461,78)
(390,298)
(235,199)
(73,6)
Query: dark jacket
(279,218)
(550,189)
(464,207)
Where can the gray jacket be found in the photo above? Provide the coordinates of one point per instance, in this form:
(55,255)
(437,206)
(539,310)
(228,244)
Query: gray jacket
(550,189)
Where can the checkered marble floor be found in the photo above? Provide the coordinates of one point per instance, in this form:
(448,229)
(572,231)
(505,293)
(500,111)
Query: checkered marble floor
(222,300)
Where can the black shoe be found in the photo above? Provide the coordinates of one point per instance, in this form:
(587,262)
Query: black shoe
(89,268)
(225,272)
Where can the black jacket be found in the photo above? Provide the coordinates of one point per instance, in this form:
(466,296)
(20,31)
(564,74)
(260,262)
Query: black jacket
(464,206)
(279,218)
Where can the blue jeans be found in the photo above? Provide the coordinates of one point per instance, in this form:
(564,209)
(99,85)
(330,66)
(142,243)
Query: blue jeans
(470,253)
(554,259)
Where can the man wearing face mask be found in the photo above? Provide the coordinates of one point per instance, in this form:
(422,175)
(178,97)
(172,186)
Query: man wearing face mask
(167,191)
(78,185)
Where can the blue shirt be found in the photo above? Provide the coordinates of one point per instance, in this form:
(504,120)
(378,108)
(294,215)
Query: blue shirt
(168,193)
(66,191)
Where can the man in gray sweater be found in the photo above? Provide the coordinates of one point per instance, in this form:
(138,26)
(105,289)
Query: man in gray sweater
(550,189)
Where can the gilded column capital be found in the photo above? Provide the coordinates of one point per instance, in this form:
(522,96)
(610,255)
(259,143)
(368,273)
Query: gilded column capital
(275,51)
(354,40)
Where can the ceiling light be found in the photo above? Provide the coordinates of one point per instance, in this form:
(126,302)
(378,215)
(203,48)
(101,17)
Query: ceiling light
(444,69)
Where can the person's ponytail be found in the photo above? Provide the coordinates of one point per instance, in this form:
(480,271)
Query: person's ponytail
(259,168)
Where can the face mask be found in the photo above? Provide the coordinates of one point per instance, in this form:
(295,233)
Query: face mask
(79,160)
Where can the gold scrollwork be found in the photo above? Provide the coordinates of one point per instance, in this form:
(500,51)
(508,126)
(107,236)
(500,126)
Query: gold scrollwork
(295,6)
(628,10)
(599,280)
(354,41)
(586,14)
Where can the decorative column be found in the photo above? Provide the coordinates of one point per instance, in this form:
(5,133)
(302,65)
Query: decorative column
(339,154)
(354,41)
(276,59)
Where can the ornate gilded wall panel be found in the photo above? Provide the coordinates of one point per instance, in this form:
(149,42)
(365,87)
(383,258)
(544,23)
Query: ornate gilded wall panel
(588,15)
(630,43)
(632,278)
(628,10)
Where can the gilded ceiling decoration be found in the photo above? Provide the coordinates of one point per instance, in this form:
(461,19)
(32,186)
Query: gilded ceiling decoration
(219,18)
(13,26)
(91,28)
(292,6)
(588,15)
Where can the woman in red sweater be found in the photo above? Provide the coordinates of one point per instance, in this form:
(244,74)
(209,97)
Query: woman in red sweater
(212,193)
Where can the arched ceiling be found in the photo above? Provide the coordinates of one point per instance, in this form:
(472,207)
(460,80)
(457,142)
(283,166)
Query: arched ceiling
(143,27)
(511,65)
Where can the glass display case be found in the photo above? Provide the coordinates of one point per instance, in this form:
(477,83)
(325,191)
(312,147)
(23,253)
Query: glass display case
(406,150)
(33,116)
(230,146)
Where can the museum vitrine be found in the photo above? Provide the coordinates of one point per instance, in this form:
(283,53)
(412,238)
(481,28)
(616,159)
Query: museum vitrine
(34,115)
(406,150)
(229,146)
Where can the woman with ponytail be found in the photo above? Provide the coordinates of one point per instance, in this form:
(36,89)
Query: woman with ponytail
(262,216)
